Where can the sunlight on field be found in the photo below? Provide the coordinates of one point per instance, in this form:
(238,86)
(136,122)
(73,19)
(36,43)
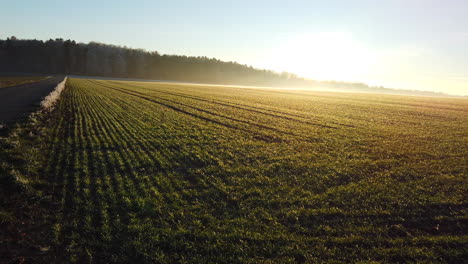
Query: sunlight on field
(164,172)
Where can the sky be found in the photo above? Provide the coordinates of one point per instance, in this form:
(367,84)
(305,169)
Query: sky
(404,44)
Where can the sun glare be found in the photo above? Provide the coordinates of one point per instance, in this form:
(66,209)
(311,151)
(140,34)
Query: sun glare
(325,56)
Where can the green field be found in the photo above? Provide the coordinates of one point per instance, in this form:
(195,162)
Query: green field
(7,81)
(179,173)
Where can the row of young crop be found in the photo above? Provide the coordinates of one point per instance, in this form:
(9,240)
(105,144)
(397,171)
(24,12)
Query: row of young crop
(154,173)
(94,138)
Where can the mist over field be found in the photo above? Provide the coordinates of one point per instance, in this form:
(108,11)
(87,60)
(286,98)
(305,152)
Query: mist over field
(233,131)
(102,60)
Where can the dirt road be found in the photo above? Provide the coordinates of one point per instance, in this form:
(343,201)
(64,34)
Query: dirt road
(18,102)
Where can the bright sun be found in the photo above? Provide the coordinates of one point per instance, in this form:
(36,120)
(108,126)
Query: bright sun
(324,56)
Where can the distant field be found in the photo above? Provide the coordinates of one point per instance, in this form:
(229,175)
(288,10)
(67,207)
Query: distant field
(159,172)
(7,81)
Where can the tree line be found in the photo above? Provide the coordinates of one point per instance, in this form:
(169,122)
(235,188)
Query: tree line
(58,56)
(96,59)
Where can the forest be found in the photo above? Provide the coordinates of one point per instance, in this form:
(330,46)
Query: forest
(54,57)
(96,59)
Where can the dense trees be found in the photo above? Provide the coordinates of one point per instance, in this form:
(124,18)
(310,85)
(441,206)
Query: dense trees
(96,59)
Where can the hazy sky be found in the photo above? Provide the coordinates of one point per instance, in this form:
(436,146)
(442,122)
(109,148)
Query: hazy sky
(409,44)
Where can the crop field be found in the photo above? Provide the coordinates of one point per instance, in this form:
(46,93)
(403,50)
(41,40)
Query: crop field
(7,81)
(180,173)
